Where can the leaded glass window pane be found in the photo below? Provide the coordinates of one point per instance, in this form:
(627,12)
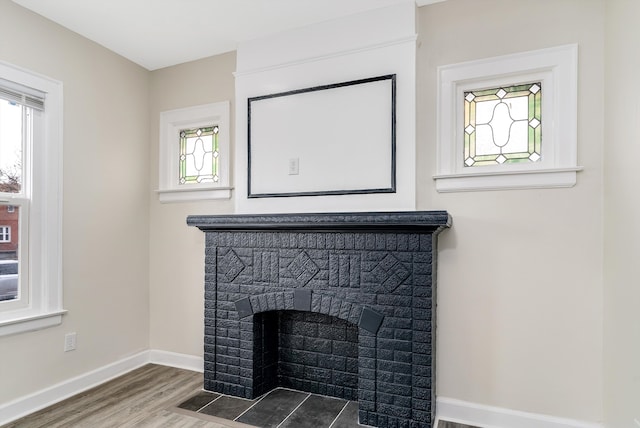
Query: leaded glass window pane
(199,155)
(503,125)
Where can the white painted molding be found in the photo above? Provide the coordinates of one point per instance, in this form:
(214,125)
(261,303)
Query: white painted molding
(53,394)
(183,195)
(449,409)
(46,397)
(31,322)
(533,179)
(44,305)
(173,359)
(427,2)
(557,69)
(338,53)
(373,43)
(323,40)
(171,124)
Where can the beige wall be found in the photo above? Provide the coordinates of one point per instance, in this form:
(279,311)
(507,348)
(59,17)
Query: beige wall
(177,251)
(621,215)
(520,276)
(520,272)
(105,212)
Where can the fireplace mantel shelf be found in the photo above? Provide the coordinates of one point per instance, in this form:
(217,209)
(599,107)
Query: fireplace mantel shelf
(426,221)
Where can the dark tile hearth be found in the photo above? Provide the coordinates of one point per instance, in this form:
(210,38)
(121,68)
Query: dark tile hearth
(284,408)
(280,408)
(226,407)
(273,408)
(198,401)
(315,411)
(347,417)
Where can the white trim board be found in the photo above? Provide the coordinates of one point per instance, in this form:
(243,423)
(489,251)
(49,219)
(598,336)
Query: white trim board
(449,409)
(378,42)
(173,359)
(28,404)
(420,3)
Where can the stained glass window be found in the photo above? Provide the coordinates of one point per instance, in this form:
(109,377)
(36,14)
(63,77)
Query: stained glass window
(199,155)
(503,125)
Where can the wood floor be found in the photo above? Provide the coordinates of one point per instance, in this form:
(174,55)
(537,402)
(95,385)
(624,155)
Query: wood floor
(446,424)
(145,397)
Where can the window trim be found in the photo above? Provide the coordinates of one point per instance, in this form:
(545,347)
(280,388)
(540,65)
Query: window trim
(171,122)
(557,69)
(45,306)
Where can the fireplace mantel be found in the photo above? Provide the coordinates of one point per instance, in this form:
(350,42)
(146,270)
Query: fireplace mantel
(278,286)
(425,221)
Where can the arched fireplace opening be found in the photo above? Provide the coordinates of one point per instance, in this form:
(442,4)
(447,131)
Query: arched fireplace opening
(306,351)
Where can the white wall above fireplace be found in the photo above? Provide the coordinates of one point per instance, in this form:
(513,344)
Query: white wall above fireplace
(375,43)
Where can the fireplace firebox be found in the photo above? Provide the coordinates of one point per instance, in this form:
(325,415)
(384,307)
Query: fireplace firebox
(340,304)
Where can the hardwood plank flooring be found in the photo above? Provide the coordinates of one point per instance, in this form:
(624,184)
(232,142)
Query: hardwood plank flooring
(447,424)
(145,397)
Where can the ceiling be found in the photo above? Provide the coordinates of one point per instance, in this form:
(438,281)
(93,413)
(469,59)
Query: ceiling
(161,33)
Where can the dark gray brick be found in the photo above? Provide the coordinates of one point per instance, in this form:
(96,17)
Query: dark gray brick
(389,370)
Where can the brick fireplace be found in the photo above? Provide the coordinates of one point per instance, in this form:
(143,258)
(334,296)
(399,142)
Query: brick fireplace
(338,304)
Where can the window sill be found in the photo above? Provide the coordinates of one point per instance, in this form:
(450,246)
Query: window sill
(507,180)
(23,321)
(201,194)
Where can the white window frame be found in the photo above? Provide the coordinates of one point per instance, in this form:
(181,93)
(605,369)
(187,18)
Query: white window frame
(41,216)
(557,69)
(3,234)
(171,123)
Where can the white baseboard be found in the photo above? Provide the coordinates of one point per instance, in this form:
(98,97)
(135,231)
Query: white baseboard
(449,409)
(446,408)
(39,400)
(173,359)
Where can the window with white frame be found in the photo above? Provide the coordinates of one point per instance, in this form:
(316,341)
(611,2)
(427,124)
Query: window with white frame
(194,153)
(30,189)
(508,122)
(5,234)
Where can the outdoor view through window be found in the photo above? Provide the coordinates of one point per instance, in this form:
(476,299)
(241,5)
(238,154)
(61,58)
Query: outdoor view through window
(14,120)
